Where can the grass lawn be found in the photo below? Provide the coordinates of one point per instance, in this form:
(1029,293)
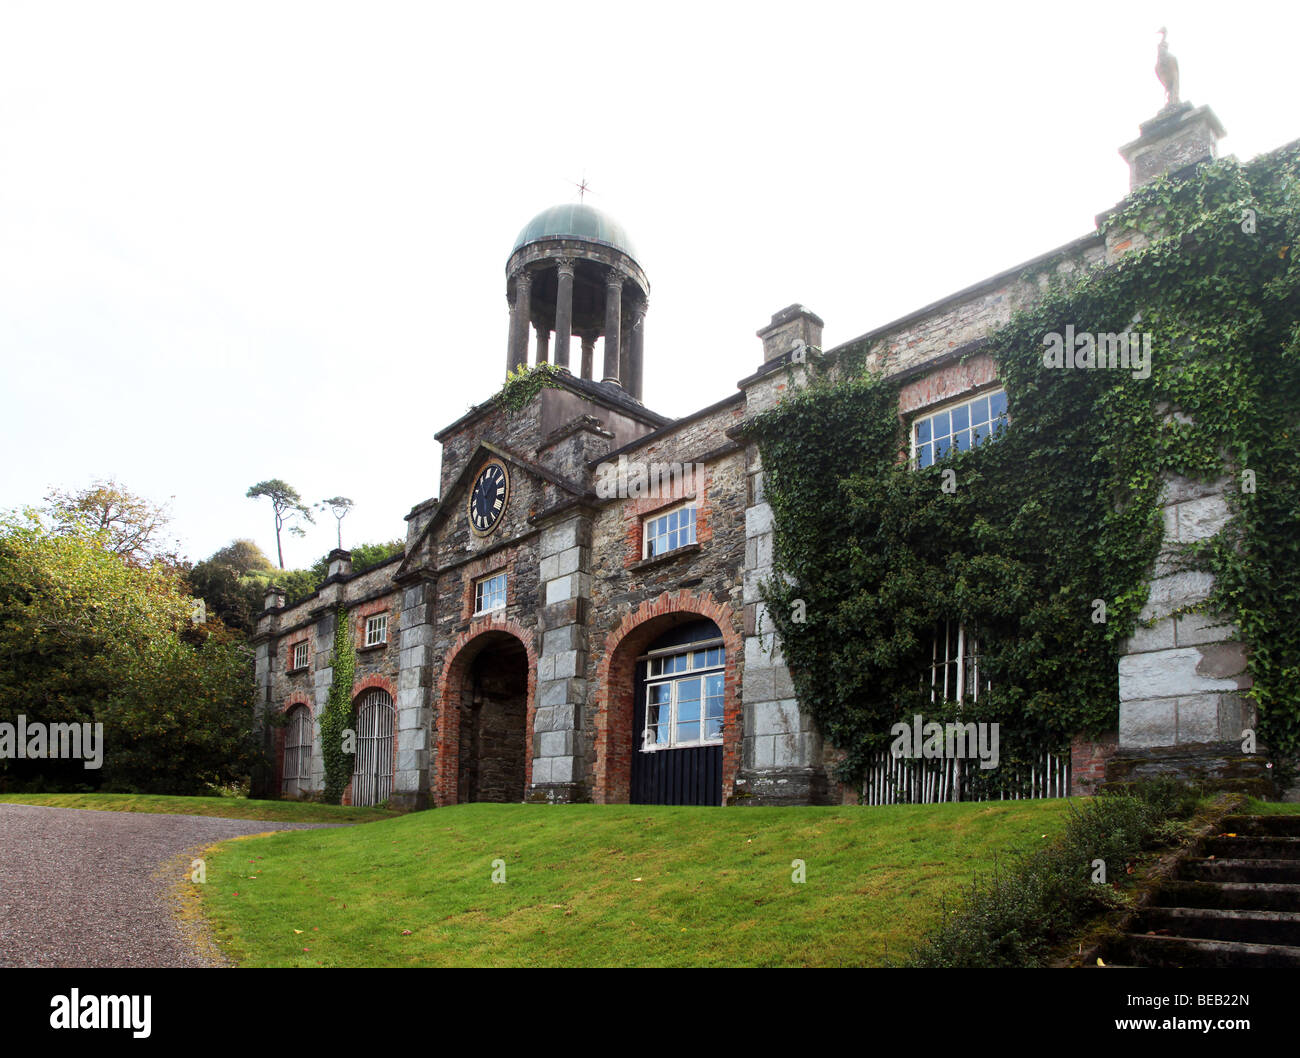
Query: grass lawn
(610,885)
(228,807)
(1265,808)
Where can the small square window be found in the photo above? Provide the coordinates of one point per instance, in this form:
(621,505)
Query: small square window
(667,532)
(300,655)
(958,427)
(490,594)
(376,630)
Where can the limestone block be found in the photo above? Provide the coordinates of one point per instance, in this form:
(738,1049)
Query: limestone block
(563,769)
(758,519)
(1169,593)
(542,768)
(554,743)
(1202,518)
(1165,674)
(774,718)
(1160,637)
(1148,723)
(1194,629)
(557,538)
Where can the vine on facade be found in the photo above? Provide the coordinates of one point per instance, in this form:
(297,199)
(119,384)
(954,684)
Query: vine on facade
(1063,508)
(339,719)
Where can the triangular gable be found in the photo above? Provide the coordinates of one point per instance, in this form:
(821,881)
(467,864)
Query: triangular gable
(461,482)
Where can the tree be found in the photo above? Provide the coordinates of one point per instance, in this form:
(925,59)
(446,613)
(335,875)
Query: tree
(339,507)
(232,582)
(132,525)
(288,507)
(88,637)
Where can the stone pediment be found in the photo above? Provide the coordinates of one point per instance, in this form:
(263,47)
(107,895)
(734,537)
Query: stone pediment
(524,472)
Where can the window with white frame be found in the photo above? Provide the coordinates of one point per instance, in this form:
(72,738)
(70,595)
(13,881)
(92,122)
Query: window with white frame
(958,426)
(376,630)
(490,593)
(300,655)
(684,694)
(667,532)
(955,664)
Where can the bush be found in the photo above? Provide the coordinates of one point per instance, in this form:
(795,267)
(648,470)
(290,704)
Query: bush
(1017,916)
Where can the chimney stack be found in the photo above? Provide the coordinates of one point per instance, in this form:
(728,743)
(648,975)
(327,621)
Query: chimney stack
(790,326)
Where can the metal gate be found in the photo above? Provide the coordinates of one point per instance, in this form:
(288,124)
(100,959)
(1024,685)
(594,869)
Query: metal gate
(372,772)
(297,753)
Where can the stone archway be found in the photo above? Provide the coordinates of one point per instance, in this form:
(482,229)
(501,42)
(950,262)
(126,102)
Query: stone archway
(485,716)
(616,682)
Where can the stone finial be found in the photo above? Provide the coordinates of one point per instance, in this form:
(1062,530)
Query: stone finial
(274,599)
(340,564)
(1167,69)
(790,326)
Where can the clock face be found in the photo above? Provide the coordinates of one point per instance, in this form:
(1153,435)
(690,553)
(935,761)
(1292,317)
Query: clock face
(487,499)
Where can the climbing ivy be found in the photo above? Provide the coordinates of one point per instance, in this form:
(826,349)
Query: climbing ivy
(1063,509)
(338,717)
(524,383)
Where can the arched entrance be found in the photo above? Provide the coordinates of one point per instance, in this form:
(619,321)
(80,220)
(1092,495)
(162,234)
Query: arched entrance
(678,718)
(631,713)
(372,771)
(296,769)
(483,724)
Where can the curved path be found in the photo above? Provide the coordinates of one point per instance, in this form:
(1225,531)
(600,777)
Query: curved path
(83,888)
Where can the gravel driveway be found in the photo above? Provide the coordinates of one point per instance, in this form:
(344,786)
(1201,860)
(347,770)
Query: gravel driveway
(82,888)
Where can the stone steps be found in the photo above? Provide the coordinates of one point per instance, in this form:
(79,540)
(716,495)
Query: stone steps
(1236,905)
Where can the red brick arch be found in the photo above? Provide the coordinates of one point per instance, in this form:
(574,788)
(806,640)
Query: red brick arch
(615,679)
(468,645)
(282,734)
(358,688)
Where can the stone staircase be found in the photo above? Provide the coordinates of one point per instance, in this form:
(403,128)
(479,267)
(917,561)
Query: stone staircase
(1237,904)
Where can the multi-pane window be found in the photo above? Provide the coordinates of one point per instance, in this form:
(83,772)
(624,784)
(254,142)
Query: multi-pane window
(958,426)
(300,655)
(376,630)
(955,664)
(667,532)
(684,699)
(490,593)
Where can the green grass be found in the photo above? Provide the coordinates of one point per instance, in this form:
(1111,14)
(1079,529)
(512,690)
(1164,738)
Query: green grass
(608,885)
(1266,808)
(227,807)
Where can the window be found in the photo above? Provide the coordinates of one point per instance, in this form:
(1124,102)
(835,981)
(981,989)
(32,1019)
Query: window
(960,426)
(490,593)
(684,699)
(955,664)
(376,630)
(300,655)
(667,532)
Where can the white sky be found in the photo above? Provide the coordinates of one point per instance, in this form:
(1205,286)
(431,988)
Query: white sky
(252,240)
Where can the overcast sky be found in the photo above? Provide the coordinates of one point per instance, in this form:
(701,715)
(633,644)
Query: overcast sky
(242,241)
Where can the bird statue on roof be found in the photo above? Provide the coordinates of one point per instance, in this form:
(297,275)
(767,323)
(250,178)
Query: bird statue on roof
(1167,69)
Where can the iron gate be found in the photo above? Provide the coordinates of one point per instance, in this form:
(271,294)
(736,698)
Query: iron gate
(372,772)
(297,752)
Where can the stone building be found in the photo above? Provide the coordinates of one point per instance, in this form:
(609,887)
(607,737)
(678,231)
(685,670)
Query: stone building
(577,616)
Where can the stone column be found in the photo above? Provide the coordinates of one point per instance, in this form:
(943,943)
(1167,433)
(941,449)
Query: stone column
(543,342)
(519,322)
(636,355)
(414,679)
(565,572)
(588,355)
(613,319)
(563,310)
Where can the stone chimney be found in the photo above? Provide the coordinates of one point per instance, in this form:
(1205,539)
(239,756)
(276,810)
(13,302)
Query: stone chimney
(275,598)
(1179,136)
(340,564)
(790,326)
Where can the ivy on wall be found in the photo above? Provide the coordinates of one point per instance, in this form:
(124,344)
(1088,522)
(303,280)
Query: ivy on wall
(1063,508)
(524,383)
(338,717)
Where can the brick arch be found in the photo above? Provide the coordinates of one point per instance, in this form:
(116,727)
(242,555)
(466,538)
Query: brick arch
(615,684)
(468,645)
(359,687)
(282,734)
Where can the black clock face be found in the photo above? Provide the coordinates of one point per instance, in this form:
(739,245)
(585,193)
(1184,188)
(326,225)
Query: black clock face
(487,499)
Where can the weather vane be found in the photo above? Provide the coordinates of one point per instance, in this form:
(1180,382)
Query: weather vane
(583,187)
